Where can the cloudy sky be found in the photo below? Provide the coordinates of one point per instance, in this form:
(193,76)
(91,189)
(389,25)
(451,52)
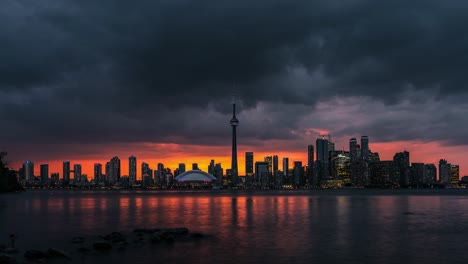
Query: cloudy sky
(86,80)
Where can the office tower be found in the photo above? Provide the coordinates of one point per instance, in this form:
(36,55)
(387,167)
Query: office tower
(161,172)
(108,169)
(313,182)
(77,172)
(234,123)
(249,167)
(454,175)
(444,172)
(417,174)
(44,172)
(430,174)
(98,172)
(66,172)
(298,174)
(194,166)
(275,164)
(365,148)
(353,149)
(114,170)
(145,170)
(322,149)
(211,167)
(28,170)
(262,174)
(181,168)
(269,160)
(340,167)
(286,167)
(132,169)
(402,168)
(218,173)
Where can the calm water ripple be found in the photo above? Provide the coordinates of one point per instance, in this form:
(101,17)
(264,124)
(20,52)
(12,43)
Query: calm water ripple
(343,226)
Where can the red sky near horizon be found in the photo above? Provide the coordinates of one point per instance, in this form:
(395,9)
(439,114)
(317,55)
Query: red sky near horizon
(173,154)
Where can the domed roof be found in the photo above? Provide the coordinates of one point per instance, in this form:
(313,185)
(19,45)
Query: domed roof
(194,176)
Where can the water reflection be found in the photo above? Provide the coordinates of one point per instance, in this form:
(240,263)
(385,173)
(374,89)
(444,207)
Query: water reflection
(250,228)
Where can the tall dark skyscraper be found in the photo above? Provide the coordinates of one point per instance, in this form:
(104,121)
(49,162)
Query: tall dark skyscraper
(353,149)
(66,171)
(310,166)
(275,164)
(402,167)
(234,123)
(249,163)
(77,172)
(44,172)
(286,167)
(114,170)
(98,172)
(365,148)
(132,169)
(322,149)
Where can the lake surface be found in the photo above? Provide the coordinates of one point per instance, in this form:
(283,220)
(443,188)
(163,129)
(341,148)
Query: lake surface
(339,226)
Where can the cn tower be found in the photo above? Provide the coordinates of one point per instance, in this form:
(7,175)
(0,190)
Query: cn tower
(234,123)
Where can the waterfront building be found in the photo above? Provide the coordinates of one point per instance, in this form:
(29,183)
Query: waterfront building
(194,166)
(313,181)
(77,172)
(322,149)
(249,167)
(402,167)
(262,174)
(445,172)
(285,169)
(55,177)
(365,148)
(181,168)
(66,172)
(193,178)
(298,174)
(44,173)
(430,174)
(275,164)
(211,167)
(417,174)
(28,170)
(454,175)
(98,172)
(114,170)
(132,170)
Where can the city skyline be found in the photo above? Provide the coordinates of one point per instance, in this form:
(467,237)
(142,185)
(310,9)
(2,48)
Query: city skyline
(86,81)
(87,167)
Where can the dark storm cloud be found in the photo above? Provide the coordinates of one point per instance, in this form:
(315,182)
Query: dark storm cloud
(164,71)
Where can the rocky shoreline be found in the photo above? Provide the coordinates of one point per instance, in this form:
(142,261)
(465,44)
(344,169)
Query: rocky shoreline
(80,247)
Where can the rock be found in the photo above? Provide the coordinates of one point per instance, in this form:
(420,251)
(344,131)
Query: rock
(177,231)
(83,249)
(78,240)
(102,246)
(11,250)
(57,253)
(197,235)
(146,230)
(114,237)
(5,259)
(34,254)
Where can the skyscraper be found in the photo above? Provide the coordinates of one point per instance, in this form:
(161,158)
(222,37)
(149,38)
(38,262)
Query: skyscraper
(181,168)
(28,170)
(44,173)
(310,166)
(454,175)
(353,149)
(114,170)
(286,167)
(66,172)
(322,149)
(234,123)
(77,172)
(299,173)
(211,167)
(402,167)
(275,164)
(444,172)
(249,163)
(261,173)
(365,148)
(132,169)
(98,172)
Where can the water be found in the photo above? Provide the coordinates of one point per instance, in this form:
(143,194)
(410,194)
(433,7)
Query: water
(342,226)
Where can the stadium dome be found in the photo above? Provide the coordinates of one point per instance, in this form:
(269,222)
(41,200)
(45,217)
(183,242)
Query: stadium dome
(195,176)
